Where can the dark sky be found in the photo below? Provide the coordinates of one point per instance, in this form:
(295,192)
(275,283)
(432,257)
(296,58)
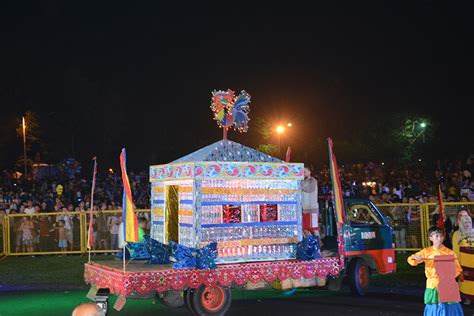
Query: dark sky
(102,76)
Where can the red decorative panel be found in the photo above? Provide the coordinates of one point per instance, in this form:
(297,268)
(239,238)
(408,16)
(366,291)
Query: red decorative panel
(178,279)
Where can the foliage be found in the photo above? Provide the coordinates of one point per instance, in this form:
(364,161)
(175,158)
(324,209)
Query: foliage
(263,127)
(269,149)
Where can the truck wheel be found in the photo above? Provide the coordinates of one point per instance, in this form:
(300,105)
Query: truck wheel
(173,299)
(358,277)
(211,300)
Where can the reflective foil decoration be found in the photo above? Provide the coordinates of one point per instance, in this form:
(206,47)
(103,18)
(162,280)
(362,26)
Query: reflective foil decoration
(308,248)
(183,257)
(206,256)
(171,213)
(159,253)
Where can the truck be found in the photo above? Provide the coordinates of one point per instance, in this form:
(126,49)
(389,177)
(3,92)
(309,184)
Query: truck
(250,205)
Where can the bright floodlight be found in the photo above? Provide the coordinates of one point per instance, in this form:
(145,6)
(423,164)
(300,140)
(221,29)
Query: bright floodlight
(423,124)
(289,125)
(280,129)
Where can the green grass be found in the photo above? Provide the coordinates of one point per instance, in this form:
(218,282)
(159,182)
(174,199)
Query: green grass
(63,288)
(46,270)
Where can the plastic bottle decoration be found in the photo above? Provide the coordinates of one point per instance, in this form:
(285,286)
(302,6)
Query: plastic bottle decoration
(231,111)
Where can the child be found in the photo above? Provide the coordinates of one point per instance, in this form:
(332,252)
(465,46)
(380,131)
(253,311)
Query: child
(432,304)
(62,236)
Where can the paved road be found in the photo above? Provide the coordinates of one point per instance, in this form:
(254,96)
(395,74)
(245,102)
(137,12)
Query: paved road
(381,303)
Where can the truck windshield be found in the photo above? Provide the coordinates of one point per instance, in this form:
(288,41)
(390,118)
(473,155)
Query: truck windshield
(362,214)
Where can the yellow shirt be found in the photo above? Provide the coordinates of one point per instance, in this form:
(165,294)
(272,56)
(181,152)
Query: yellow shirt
(432,279)
(466,259)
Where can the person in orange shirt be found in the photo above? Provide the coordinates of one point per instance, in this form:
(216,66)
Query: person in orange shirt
(426,255)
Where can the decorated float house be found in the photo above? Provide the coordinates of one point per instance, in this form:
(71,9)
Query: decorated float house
(247,201)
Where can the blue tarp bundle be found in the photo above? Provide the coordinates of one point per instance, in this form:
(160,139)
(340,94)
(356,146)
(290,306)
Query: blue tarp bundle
(308,248)
(186,257)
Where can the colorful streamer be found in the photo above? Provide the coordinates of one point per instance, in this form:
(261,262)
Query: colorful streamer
(336,186)
(130,226)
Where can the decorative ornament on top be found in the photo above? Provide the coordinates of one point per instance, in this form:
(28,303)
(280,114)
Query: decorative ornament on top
(231,111)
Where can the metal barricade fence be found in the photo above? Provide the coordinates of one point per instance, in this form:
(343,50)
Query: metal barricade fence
(105,226)
(44,233)
(408,221)
(411,221)
(61,233)
(67,232)
(3,238)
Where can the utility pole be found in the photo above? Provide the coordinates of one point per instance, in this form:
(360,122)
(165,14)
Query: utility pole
(24,144)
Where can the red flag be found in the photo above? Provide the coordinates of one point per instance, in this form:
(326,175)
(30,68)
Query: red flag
(288,154)
(441,208)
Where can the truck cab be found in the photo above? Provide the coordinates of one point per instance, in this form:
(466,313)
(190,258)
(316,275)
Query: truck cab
(368,242)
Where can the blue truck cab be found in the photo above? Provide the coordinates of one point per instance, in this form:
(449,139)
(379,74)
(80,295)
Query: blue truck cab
(368,243)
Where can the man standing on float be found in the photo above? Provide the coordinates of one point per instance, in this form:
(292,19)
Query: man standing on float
(309,190)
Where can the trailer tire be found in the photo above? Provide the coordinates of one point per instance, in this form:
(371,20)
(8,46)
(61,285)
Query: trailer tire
(188,300)
(211,300)
(173,299)
(335,283)
(358,277)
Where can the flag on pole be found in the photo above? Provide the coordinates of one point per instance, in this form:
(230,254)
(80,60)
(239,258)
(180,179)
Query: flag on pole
(336,186)
(441,208)
(130,226)
(90,236)
(288,154)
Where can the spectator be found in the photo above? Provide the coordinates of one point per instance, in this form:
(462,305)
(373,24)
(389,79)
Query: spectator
(26,231)
(62,244)
(30,209)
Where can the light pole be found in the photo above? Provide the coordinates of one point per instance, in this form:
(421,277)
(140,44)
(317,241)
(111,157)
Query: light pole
(423,125)
(280,129)
(24,143)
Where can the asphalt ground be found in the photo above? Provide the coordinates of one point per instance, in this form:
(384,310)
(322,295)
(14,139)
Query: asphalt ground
(379,301)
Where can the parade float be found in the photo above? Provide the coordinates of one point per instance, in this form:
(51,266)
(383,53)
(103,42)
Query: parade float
(247,205)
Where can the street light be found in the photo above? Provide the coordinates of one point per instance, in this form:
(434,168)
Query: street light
(24,142)
(417,132)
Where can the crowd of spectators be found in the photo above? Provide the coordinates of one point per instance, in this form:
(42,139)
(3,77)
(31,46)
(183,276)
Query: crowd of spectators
(398,184)
(66,193)
(70,192)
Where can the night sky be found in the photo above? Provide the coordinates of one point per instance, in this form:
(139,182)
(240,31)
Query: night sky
(104,76)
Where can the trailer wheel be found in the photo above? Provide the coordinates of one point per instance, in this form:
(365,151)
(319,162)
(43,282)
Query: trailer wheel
(358,277)
(334,283)
(188,300)
(210,300)
(173,299)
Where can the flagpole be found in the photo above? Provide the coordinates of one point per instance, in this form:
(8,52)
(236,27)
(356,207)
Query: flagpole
(90,235)
(123,251)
